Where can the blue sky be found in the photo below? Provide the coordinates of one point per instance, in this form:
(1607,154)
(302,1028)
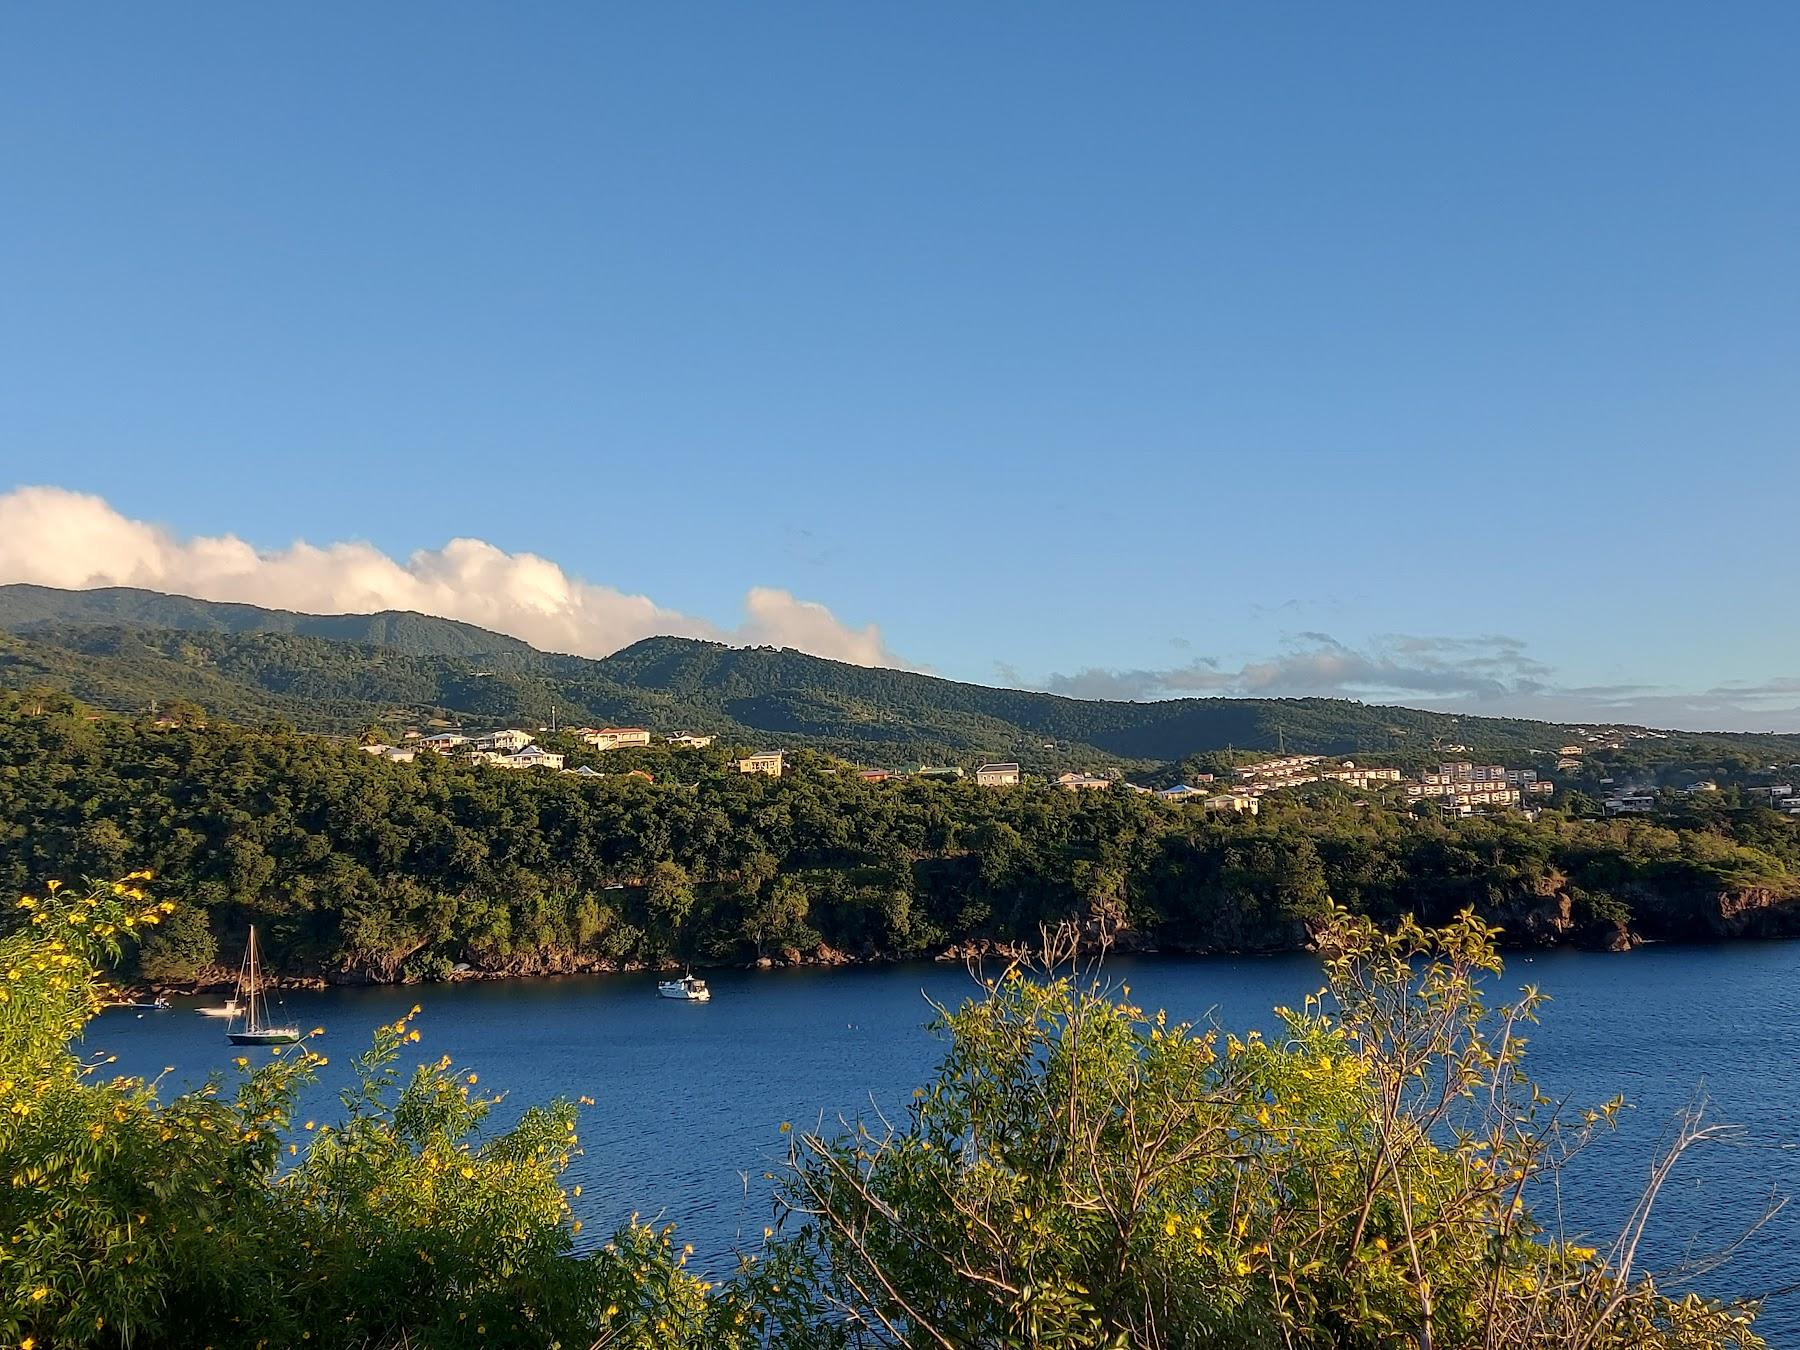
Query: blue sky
(1407,352)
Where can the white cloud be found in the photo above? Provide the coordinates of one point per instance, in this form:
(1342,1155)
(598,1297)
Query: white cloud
(54,537)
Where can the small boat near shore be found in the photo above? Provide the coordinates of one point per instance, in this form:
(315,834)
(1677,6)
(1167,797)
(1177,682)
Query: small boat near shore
(687,988)
(257,1030)
(157,1004)
(228,1010)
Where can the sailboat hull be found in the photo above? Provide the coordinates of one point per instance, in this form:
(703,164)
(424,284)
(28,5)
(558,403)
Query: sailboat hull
(272,1036)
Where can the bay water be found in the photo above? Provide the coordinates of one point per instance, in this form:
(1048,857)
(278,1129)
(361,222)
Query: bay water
(691,1097)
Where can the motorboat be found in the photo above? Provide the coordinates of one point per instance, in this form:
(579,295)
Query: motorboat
(687,987)
(229,1009)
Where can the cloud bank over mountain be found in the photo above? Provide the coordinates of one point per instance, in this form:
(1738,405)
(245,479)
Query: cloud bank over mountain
(1317,664)
(1488,676)
(54,537)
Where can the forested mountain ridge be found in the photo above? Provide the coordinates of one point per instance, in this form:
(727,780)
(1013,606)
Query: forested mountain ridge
(120,648)
(26,608)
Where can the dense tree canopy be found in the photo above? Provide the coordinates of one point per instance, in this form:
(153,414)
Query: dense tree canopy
(351,863)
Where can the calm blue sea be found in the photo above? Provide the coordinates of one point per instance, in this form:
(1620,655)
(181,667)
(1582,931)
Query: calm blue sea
(691,1095)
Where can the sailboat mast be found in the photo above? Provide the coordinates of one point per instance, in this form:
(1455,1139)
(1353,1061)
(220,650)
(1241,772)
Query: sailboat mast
(251,1020)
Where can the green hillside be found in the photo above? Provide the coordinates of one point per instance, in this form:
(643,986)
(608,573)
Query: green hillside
(25,609)
(784,688)
(120,649)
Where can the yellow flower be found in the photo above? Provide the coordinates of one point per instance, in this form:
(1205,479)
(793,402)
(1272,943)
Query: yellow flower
(39,1294)
(785,1127)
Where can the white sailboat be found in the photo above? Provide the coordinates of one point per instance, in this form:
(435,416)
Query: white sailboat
(256,1030)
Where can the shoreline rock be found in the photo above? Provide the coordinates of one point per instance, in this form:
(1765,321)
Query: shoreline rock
(1546,917)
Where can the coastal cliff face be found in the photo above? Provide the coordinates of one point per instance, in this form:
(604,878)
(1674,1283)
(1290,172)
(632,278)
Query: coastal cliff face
(1551,914)
(1556,915)
(1741,912)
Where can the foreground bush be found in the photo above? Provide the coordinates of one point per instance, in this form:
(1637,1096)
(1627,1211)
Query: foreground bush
(216,1218)
(1079,1174)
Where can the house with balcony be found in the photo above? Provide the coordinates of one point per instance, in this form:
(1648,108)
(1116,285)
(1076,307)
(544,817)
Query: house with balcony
(506,742)
(614,738)
(768,762)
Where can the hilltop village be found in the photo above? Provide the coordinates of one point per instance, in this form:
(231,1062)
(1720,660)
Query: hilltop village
(1452,788)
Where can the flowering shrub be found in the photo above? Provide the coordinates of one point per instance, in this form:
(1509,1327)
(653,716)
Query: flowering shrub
(1082,1174)
(216,1218)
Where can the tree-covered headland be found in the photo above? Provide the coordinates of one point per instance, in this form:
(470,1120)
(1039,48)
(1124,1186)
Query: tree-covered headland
(356,867)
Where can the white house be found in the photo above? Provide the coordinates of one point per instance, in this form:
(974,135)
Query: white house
(691,741)
(613,738)
(1180,793)
(1076,782)
(770,762)
(445,742)
(534,757)
(997,775)
(1241,802)
(506,742)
